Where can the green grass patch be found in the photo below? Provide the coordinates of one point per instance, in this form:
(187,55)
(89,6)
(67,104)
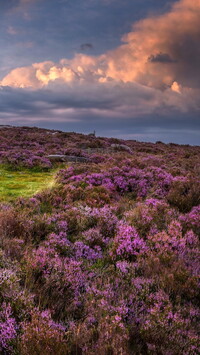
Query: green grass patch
(24,182)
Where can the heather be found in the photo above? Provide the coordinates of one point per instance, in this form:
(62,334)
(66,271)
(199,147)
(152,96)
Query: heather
(104,258)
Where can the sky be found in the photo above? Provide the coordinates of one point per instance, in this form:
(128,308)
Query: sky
(124,68)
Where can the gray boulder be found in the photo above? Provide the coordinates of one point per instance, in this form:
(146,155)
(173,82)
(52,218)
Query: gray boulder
(121,147)
(67,158)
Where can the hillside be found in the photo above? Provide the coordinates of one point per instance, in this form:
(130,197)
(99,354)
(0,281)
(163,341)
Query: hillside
(98,254)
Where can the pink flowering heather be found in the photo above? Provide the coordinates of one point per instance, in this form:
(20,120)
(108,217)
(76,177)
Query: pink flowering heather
(106,261)
(8,329)
(127,243)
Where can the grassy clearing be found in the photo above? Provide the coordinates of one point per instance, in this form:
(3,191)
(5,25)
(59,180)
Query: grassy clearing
(24,182)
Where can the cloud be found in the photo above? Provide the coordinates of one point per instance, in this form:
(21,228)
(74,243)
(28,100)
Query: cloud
(159,51)
(161,58)
(86,46)
(176,87)
(81,68)
(112,109)
(12,31)
(106,100)
(153,78)
(176,34)
(17,7)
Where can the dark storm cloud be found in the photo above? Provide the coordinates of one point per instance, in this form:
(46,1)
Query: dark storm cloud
(113,111)
(86,46)
(161,58)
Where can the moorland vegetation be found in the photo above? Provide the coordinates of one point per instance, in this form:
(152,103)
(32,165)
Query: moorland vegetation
(99,257)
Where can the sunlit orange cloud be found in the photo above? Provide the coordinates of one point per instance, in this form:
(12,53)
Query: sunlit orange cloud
(81,68)
(160,52)
(161,49)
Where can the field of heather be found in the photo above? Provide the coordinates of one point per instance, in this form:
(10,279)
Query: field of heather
(99,256)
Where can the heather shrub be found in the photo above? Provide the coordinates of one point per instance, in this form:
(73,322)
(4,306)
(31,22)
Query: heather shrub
(106,220)
(166,331)
(93,237)
(83,251)
(96,158)
(172,276)
(191,220)
(98,196)
(14,248)
(172,262)
(50,199)
(106,260)
(108,336)
(10,224)
(190,254)
(113,336)
(12,292)
(72,219)
(40,226)
(127,244)
(9,285)
(150,216)
(58,282)
(184,195)
(8,330)
(41,335)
